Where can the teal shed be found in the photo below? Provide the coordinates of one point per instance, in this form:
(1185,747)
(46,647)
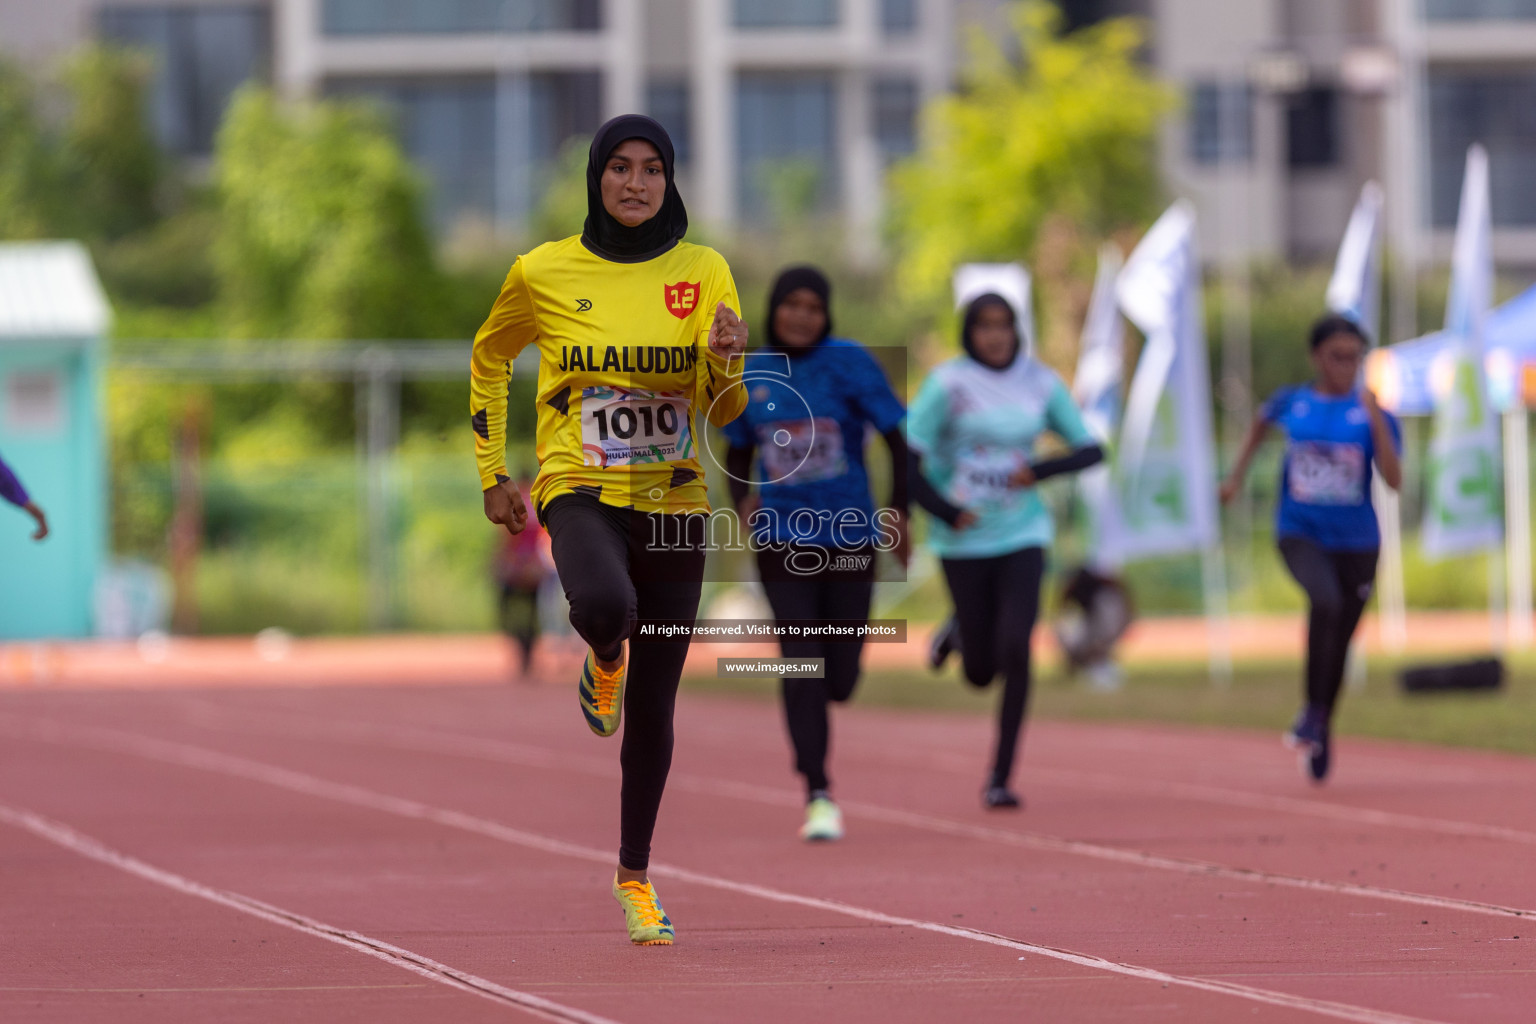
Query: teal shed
(53,319)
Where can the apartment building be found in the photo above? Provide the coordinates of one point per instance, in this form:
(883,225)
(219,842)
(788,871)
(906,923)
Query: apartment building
(203,51)
(1289,105)
(486,92)
(1473,67)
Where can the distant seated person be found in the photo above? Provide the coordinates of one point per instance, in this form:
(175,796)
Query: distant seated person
(523,562)
(12,491)
(1094,613)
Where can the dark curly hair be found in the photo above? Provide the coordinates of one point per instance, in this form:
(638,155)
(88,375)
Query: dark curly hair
(1332,324)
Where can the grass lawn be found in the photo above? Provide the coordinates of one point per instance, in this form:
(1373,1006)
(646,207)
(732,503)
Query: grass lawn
(1262,695)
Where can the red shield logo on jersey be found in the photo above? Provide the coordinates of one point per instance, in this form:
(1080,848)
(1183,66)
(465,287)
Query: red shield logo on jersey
(681,298)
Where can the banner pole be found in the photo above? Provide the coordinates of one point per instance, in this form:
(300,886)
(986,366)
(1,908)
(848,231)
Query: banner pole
(1393,604)
(1517,526)
(1218,619)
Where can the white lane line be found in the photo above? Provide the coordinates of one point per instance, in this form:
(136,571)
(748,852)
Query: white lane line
(1287,804)
(948,761)
(1322,1007)
(440,741)
(299,782)
(535,757)
(77,842)
(1202,869)
(80,990)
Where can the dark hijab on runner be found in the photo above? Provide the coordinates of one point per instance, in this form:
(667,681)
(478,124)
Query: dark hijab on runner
(602,233)
(788,282)
(990,300)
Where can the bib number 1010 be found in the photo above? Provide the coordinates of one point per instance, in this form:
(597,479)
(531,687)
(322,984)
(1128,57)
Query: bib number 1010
(624,420)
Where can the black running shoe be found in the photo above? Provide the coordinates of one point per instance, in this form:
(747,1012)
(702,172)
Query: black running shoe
(1000,798)
(1308,728)
(1309,736)
(945,639)
(1319,757)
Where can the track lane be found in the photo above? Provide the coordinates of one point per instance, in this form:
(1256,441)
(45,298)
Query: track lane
(879,968)
(1339,850)
(84,941)
(761,839)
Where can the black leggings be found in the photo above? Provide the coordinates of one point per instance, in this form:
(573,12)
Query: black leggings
(518,610)
(996,602)
(837,592)
(1338,583)
(616,576)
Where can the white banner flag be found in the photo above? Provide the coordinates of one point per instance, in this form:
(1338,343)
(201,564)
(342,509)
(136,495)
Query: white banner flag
(1096,390)
(1463,511)
(1355,289)
(1166,462)
(1101,353)
(1355,292)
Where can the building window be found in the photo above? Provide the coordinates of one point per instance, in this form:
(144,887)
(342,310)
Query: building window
(787,13)
(1220,123)
(1500,112)
(895,103)
(448,129)
(1312,128)
(1479,10)
(415,17)
(201,55)
(786,132)
(668,102)
(898,17)
(485,146)
(1078,14)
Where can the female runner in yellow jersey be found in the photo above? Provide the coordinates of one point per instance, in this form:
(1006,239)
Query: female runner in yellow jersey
(636,334)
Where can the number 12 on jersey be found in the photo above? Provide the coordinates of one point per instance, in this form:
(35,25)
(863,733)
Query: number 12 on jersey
(681,298)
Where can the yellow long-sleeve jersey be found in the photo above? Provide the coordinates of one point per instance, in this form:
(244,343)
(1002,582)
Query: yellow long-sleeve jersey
(625,373)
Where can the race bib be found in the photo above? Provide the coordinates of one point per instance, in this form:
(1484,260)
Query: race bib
(802,451)
(1327,473)
(981,476)
(627,426)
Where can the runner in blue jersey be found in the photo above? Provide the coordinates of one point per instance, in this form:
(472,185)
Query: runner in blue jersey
(810,398)
(1325,524)
(972,432)
(12,491)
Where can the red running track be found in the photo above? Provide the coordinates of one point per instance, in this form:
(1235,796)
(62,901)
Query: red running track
(444,853)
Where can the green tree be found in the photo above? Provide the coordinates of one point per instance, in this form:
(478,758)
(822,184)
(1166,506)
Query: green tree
(95,175)
(562,209)
(27,195)
(322,232)
(1038,157)
(111,164)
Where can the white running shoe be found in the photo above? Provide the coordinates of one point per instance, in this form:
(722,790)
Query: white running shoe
(823,821)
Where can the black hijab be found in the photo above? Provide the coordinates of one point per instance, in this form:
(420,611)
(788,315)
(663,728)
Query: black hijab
(792,279)
(973,312)
(602,233)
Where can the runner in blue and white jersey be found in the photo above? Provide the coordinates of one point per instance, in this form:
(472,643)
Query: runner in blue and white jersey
(972,431)
(1326,526)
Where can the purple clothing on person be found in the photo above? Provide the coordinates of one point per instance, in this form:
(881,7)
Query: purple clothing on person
(10,487)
